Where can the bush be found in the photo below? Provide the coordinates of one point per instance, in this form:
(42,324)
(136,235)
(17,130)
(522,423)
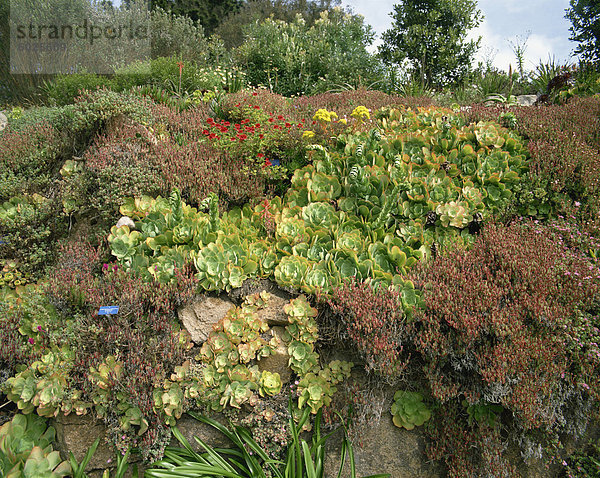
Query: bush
(564,144)
(294,59)
(492,326)
(376,325)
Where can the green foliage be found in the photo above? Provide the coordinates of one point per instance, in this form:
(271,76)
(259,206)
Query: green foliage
(585,19)
(483,413)
(296,58)
(43,385)
(248,459)
(431,36)
(408,410)
(387,184)
(26,449)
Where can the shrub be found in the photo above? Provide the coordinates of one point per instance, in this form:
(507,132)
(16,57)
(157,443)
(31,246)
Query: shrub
(376,325)
(117,360)
(292,58)
(497,313)
(564,144)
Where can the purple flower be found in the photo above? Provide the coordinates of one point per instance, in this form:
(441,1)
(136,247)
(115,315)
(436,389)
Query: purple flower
(39,328)
(31,341)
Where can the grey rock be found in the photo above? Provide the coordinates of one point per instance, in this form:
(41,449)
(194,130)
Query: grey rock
(278,362)
(526,100)
(384,448)
(77,434)
(126,221)
(3,121)
(190,428)
(202,314)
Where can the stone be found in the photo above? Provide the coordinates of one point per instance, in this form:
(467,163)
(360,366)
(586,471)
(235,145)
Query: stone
(200,316)
(526,100)
(126,221)
(278,362)
(76,434)
(384,448)
(3,121)
(190,428)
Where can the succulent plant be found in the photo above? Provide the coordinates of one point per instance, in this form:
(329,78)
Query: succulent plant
(43,385)
(26,449)
(408,410)
(270,383)
(454,214)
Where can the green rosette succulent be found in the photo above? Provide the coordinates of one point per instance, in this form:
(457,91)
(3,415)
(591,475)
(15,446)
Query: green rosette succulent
(454,214)
(408,410)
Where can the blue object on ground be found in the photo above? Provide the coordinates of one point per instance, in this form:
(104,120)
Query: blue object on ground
(275,162)
(109,310)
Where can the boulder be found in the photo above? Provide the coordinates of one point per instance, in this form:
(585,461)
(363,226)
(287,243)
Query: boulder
(190,428)
(77,433)
(273,314)
(526,100)
(202,314)
(3,121)
(278,362)
(384,448)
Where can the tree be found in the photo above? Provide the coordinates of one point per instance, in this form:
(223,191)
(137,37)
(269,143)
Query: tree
(209,13)
(430,35)
(585,19)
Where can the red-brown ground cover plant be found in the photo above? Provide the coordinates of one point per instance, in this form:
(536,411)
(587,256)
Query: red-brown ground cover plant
(564,144)
(144,335)
(498,328)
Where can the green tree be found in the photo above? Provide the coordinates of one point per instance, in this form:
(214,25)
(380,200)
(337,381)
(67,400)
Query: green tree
(209,13)
(585,29)
(430,36)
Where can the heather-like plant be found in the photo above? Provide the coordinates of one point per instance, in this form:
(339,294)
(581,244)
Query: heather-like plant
(493,326)
(376,324)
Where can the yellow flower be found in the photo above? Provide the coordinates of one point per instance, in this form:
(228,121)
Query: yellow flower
(344,121)
(323,116)
(308,134)
(361,113)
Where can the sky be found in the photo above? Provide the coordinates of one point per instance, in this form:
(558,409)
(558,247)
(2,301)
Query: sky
(505,21)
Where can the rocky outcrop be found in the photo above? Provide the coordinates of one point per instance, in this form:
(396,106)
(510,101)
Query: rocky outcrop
(278,362)
(76,434)
(199,317)
(526,100)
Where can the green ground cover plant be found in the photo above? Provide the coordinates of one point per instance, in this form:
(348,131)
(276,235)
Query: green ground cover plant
(401,223)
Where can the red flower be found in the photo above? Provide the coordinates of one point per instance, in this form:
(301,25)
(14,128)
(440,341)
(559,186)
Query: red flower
(271,120)
(260,155)
(268,162)
(210,121)
(205,132)
(231,139)
(276,127)
(242,137)
(256,107)
(255,94)
(257,125)
(213,136)
(288,125)
(238,105)
(261,136)
(280,117)
(180,65)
